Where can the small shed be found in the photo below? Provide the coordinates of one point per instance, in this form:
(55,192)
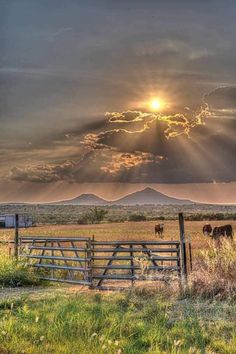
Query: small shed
(9,221)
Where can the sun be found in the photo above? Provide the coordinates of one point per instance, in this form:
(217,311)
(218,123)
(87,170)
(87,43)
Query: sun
(155,104)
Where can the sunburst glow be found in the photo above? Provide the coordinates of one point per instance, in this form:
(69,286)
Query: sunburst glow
(156,104)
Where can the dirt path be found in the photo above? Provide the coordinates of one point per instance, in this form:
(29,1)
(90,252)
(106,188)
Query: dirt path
(39,292)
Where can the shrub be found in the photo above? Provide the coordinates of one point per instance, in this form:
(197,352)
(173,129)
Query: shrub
(15,273)
(137,217)
(95,215)
(215,274)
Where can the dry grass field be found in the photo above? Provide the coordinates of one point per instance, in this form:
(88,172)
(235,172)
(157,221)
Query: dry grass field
(122,231)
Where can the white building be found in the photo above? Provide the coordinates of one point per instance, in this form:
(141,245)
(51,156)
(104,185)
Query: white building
(8,221)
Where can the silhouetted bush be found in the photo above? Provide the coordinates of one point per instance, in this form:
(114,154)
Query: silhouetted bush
(137,217)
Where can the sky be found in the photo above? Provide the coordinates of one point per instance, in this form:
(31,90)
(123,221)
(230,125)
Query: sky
(110,96)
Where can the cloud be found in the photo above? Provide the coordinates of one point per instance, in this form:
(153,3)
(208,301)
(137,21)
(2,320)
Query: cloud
(174,125)
(46,173)
(149,147)
(222,98)
(126,161)
(129,116)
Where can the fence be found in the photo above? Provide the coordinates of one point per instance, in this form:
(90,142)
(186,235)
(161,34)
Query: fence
(101,264)
(134,261)
(85,261)
(59,259)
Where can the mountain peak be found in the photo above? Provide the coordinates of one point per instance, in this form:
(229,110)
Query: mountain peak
(86,199)
(146,196)
(149,196)
(149,190)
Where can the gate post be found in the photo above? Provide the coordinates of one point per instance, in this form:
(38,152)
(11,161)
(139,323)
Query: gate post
(16,243)
(183,247)
(90,262)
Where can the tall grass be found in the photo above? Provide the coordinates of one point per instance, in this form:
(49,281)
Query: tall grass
(114,324)
(15,273)
(215,271)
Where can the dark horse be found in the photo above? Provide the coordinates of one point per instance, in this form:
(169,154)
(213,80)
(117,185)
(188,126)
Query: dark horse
(207,229)
(225,230)
(159,228)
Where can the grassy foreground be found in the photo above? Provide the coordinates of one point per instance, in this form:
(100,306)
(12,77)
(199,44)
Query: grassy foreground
(135,322)
(143,320)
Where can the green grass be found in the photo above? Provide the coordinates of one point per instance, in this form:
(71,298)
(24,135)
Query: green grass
(144,320)
(15,273)
(116,323)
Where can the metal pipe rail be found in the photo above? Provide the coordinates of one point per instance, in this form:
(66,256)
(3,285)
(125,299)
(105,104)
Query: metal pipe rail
(100,243)
(128,258)
(51,248)
(53,266)
(122,249)
(159,268)
(61,239)
(128,277)
(59,258)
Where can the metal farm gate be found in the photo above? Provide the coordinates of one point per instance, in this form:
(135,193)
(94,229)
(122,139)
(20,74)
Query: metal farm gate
(101,264)
(132,261)
(59,259)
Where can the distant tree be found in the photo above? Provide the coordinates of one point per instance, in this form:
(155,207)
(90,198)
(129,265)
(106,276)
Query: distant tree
(93,216)
(160,218)
(83,220)
(137,217)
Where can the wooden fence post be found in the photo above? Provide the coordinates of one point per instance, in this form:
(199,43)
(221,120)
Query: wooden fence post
(183,247)
(16,243)
(190,253)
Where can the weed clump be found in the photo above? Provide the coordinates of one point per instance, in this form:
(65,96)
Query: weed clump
(15,273)
(215,272)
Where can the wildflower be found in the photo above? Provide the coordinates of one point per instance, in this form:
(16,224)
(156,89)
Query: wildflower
(109,342)
(177,343)
(103,347)
(116,342)
(94,335)
(41,338)
(192,350)
(36,319)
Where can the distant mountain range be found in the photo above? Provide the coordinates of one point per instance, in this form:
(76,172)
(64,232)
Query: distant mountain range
(85,199)
(146,196)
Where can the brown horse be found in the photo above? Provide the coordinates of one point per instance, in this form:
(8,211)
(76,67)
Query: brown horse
(207,229)
(159,228)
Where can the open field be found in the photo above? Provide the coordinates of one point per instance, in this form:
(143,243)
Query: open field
(122,231)
(146,319)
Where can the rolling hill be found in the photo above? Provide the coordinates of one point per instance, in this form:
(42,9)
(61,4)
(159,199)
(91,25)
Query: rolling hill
(85,199)
(149,196)
(146,196)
